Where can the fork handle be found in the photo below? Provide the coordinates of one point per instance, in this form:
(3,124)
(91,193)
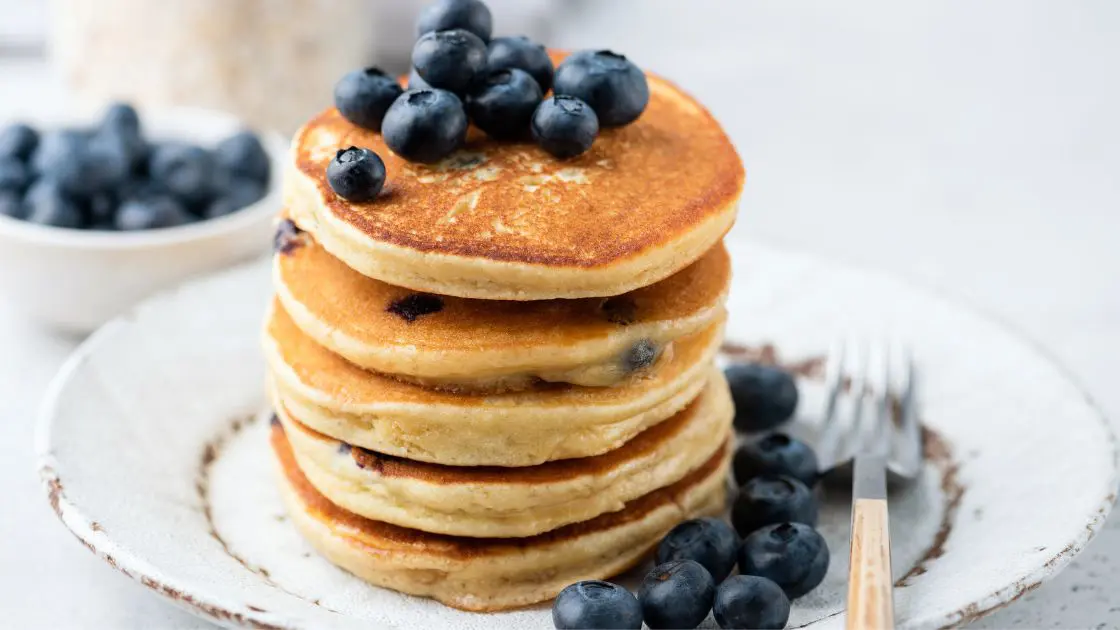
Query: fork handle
(870,595)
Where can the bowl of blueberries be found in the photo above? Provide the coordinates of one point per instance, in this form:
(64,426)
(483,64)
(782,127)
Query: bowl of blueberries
(98,213)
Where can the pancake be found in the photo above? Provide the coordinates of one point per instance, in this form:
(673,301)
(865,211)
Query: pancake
(487,344)
(507,221)
(491,574)
(490,501)
(550,422)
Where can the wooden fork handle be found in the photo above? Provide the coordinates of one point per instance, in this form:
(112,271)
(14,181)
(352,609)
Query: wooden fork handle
(870,597)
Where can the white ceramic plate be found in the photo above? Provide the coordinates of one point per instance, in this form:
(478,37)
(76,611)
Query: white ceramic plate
(153,452)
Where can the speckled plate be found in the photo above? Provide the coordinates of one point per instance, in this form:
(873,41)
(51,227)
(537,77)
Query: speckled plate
(152,450)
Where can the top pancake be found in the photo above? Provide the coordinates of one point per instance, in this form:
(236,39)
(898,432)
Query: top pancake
(499,220)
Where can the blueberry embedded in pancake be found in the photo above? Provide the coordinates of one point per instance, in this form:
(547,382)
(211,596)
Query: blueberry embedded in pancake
(497,501)
(287,238)
(519,428)
(493,345)
(410,307)
(492,574)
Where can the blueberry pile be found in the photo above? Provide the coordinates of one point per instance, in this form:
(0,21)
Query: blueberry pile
(779,555)
(461,75)
(110,177)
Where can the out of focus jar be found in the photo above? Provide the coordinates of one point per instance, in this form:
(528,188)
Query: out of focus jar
(273,63)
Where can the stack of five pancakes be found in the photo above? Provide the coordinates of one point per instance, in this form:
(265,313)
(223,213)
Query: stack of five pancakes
(496,379)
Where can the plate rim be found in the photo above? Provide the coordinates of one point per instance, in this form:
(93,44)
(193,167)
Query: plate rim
(85,529)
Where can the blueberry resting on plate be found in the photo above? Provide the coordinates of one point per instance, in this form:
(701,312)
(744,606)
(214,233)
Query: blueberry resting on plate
(243,155)
(564,126)
(502,103)
(793,555)
(596,604)
(363,96)
(47,204)
(18,141)
(449,60)
(524,54)
(770,499)
(776,454)
(184,170)
(14,174)
(709,541)
(356,174)
(469,15)
(750,601)
(151,212)
(677,594)
(765,396)
(607,81)
(425,125)
(10,204)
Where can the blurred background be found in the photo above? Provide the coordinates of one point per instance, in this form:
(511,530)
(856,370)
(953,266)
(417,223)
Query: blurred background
(972,146)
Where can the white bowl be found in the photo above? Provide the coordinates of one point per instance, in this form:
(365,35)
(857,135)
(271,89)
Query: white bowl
(75,280)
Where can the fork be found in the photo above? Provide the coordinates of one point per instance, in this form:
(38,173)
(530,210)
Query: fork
(873,446)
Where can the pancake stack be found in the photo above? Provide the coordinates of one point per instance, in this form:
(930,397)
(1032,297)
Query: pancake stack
(496,378)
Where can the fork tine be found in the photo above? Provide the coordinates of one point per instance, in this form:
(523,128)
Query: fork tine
(911,448)
(880,441)
(831,430)
(856,434)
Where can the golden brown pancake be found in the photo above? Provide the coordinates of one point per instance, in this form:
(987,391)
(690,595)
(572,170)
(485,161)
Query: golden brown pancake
(492,345)
(552,421)
(501,220)
(490,574)
(492,501)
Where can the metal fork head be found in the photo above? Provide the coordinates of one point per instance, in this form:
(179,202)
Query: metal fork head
(870,408)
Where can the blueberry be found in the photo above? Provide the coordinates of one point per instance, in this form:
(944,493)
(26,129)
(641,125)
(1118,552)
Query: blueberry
(750,601)
(449,60)
(14,175)
(596,604)
(793,555)
(150,212)
(521,53)
(416,82)
(287,238)
(363,96)
(58,153)
(184,170)
(677,594)
(564,126)
(425,125)
(469,15)
(764,396)
(106,163)
(610,83)
(243,155)
(502,103)
(18,141)
(415,305)
(709,541)
(240,193)
(11,205)
(356,174)
(121,117)
(776,454)
(101,211)
(640,355)
(47,204)
(770,499)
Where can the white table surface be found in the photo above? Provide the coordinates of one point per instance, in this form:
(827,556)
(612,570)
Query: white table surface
(973,146)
